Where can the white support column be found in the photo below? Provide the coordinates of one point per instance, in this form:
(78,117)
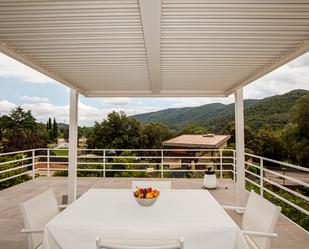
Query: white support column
(73,146)
(162,163)
(240,146)
(221,172)
(48,163)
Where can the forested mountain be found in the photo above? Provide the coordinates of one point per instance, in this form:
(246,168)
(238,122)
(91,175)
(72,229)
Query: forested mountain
(273,111)
(63,126)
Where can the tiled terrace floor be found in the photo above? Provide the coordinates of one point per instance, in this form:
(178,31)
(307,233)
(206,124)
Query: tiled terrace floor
(290,235)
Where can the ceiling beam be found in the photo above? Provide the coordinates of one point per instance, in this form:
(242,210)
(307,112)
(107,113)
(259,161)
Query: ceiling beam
(150,11)
(151,94)
(8,50)
(284,59)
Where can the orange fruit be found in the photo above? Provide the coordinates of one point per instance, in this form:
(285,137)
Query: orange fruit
(149,195)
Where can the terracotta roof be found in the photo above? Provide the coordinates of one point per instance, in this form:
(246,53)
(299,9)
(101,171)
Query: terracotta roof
(197,141)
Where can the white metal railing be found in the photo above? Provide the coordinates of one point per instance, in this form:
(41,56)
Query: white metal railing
(16,164)
(280,175)
(140,160)
(157,163)
(260,171)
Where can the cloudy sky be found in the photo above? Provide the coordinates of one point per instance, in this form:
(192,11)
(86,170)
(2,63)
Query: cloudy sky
(22,86)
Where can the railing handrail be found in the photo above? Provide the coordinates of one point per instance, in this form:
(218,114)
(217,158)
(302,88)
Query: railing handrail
(279,162)
(106,149)
(16,152)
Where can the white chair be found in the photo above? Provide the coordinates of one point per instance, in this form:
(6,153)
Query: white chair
(260,217)
(154,184)
(139,243)
(36,212)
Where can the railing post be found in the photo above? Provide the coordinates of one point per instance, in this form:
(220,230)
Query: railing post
(48,160)
(283,173)
(104,174)
(234,165)
(162,155)
(33,164)
(261,177)
(221,164)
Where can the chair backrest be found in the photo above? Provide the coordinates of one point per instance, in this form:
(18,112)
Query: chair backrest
(37,212)
(139,243)
(260,215)
(154,184)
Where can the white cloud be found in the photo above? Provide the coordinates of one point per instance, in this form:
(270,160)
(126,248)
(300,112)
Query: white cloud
(6,106)
(88,114)
(42,111)
(12,68)
(34,99)
(294,75)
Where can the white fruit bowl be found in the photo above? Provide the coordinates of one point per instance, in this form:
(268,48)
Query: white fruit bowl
(146,202)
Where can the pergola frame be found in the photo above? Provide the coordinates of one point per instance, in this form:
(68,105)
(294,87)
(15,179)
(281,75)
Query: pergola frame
(162,48)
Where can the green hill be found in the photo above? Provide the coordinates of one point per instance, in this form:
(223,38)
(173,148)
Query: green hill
(63,126)
(271,110)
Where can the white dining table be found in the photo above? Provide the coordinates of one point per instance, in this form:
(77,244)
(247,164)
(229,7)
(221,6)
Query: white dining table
(193,215)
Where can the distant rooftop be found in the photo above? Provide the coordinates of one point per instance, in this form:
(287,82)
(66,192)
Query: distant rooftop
(197,141)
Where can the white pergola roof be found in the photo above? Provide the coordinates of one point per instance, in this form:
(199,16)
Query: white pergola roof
(153,47)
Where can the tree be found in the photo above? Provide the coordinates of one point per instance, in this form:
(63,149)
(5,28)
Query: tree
(49,132)
(121,132)
(4,122)
(117,131)
(154,134)
(250,135)
(193,129)
(296,133)
(300,116)
(52,131)
(65,133)
(22,121)
(49,124)
(268,143)
(22,131)
(55,129)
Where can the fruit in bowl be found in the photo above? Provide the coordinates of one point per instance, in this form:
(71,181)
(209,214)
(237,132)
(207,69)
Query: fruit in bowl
(146,196)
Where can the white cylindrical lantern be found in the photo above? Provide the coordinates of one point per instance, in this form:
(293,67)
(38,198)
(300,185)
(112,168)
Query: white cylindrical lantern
(210,179)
